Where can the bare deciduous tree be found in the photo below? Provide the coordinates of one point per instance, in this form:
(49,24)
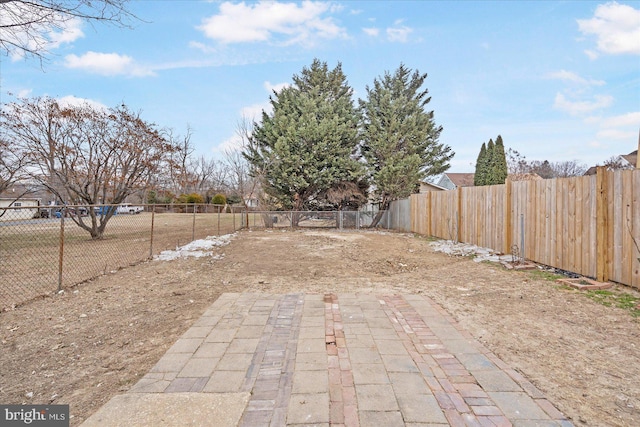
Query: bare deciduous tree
(616,163)
(180,163)
(86,155)
(519,165)
(12,163)
(32,27)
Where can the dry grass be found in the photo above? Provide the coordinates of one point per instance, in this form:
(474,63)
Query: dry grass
(30,250)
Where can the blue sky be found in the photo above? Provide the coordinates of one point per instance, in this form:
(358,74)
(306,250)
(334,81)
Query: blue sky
(558,80)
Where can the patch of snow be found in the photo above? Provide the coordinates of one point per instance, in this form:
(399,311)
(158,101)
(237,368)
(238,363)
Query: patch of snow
(480,254)
(197,248)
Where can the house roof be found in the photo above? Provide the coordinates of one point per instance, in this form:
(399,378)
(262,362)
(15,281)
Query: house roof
(430,186)
(461,179)
(631,157)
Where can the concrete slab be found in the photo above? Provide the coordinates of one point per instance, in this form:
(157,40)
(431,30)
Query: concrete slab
(170,410)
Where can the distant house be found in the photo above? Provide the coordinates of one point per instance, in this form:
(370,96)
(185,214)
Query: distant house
(21,209)
(428,186)
(251,201)
(451,181)
(624,161)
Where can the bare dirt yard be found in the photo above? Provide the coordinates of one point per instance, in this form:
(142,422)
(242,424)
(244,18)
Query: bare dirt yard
(98,338)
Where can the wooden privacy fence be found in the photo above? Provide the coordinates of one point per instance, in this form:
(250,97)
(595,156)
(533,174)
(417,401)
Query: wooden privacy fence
(588,225)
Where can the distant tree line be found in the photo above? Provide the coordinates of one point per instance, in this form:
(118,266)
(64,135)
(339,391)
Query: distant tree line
(87,155)
(518,164)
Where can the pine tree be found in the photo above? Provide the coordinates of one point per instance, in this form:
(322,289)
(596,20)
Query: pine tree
(307,144)
(399,137)
(479,176)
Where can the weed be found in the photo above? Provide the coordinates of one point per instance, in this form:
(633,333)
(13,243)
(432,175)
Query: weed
(545,275)
(621,300)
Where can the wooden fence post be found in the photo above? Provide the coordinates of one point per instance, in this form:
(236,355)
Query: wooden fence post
(459,219)
(508,227)
(602,224)
(429,231)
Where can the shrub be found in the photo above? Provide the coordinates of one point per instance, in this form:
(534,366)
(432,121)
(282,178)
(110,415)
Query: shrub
(219,199)
(191,198)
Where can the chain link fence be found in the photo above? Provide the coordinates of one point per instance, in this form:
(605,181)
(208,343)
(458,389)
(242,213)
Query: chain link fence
(313,219)
(44,248)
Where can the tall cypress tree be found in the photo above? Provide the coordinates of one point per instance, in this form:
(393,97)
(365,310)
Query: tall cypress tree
(479,176)
(499,170)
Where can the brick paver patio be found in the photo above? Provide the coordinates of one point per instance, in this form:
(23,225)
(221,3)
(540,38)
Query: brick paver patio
(330,360)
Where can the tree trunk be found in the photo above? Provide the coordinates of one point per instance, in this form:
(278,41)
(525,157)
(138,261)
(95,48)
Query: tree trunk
(384,206)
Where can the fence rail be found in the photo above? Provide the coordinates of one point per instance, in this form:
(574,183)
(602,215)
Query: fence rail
(587,225)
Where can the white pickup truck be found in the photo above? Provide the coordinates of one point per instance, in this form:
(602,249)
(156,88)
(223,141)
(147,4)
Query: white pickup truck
(128,208)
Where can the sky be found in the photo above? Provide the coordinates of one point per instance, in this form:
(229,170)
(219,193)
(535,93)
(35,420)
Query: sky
(558,80)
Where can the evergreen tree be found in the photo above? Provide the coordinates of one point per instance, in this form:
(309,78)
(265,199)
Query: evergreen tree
(399,137)
(491,166)
(481,163)
(307,145)
(499,170)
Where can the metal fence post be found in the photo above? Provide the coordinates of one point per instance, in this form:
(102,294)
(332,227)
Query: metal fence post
(153,216)
(193,227)
(61,251)
(522,236)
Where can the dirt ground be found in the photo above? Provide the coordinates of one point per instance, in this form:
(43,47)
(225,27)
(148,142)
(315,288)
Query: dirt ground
(98,338)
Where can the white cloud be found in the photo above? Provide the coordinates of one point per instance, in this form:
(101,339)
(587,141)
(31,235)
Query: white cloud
(399,34)
(574,78)
(373,32)
(254,112)
(615,134)
(202,47)
(291,23)
(70,31)
(106,64)
(628,119)
(24,93)
(616,27)
(576,108)
(275,87)
(231,144)
(29,28)
(71,100)
(591,54)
